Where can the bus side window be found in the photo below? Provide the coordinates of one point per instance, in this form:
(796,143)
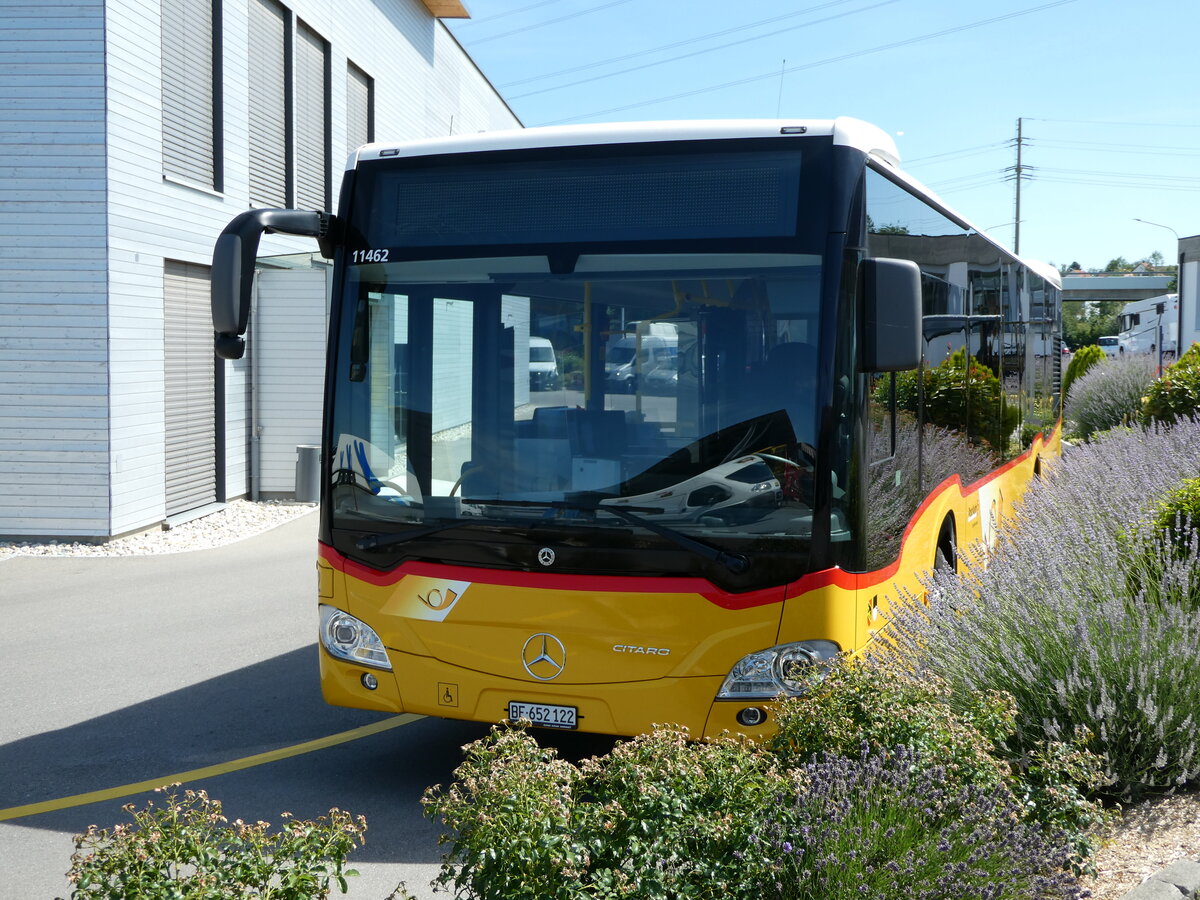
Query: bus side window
(881,424)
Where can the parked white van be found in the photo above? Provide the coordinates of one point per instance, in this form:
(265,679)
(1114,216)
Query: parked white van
(1110,344)
(644,347)
(543,366)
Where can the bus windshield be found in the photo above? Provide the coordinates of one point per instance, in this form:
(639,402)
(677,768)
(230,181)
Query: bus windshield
(686,401)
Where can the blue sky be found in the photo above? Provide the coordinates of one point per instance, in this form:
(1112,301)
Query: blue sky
(1108,91)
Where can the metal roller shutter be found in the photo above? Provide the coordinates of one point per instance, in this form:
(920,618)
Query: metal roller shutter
(190,396)
(359,108)
(187,90)
(312,119)
(268,73)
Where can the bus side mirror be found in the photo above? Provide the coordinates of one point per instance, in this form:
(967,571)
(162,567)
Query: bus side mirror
(890,312)
(232,275)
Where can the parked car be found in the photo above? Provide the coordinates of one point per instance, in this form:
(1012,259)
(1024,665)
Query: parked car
(1110,344)
(627,359)
(662,379)
(543,366)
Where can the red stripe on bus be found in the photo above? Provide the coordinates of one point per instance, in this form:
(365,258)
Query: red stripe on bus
(616,584)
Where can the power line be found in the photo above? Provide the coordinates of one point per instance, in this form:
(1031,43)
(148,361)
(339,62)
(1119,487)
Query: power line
(1155,176)
(1118,124)
(833,59)
(1098,147)
(512,12)
(702,52)
(965,188)
(993,175)
(964,153)
(544,23)
(1141,185)
(672,46)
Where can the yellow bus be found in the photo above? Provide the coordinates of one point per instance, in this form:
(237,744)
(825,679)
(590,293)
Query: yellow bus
(830,383)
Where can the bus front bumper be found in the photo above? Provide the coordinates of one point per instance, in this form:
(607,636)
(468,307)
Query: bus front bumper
(426,686)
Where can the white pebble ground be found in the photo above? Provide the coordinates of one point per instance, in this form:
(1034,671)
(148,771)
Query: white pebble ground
(236,520)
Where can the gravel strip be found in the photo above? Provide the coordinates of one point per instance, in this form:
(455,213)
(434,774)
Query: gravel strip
(1147,837)
(235,521)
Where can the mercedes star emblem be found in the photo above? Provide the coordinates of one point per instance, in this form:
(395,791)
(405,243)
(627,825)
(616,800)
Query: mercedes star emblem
(546,556)
(544,656)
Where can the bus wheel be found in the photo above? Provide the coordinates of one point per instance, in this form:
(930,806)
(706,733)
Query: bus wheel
(946,555)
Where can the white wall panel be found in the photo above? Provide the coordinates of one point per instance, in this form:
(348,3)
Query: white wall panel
(53,349)
(289,371)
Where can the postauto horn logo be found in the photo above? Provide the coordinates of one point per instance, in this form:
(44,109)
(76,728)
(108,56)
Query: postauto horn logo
(544,656)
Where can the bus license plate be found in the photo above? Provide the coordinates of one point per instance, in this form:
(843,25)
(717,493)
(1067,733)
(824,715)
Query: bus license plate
(543,714)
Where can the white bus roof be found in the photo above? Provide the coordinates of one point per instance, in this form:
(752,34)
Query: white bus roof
(845,131)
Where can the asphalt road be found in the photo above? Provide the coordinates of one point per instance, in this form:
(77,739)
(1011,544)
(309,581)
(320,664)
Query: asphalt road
(127,671)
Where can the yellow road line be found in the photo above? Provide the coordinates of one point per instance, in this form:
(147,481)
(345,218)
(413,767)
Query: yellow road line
(246,762)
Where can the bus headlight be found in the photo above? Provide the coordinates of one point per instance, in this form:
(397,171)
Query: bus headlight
(351,639)
(788,670)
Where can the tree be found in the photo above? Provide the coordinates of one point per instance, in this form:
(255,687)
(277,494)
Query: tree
(1085,323)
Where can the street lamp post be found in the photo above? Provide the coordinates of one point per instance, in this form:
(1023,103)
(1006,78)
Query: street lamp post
(1157,225)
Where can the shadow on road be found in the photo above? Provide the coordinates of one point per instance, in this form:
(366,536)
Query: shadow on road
(272,704)
(262,707)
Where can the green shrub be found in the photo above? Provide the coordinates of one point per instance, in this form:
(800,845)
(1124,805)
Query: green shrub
(662,817)
(1029,431)
(1082,360)
(859,703)
(1176,395)
(957,396)
(1160,559)
(1178,516)
(658,817)
(187,849)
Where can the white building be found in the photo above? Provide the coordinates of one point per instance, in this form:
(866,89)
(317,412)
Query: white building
(133,131)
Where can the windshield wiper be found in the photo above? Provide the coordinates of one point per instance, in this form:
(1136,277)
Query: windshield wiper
(736,563)
(391,539)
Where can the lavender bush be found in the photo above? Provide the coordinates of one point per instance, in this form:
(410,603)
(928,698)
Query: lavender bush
(1081,360)
(1110,394)
(859,703)
(1071,620)
(887,827)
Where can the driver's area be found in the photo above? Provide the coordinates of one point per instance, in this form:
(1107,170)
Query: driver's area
(681,389)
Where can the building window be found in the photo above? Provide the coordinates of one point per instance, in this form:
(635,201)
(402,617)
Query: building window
(191,124)
(312,119)
(360,108)
(269,73)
